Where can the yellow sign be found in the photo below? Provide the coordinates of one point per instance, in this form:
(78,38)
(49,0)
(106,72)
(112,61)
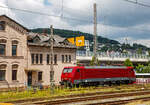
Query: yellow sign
(80,41)
(71,40)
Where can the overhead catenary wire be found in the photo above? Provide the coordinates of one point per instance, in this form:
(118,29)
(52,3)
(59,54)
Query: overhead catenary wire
(138,3)
(45,14)
(62,16)
(63,8)
(69,18)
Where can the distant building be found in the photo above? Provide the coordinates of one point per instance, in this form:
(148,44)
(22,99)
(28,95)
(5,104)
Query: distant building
(25,59)
(87,46)
(100,45)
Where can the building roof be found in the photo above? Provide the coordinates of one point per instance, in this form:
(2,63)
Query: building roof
(14,22)
(36,39)
(106,67)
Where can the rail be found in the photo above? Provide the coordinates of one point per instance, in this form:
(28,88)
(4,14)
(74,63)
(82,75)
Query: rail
(105,98)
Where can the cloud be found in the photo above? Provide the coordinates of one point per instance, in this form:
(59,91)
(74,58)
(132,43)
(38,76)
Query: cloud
(122,14)
(116,18)
(6,11)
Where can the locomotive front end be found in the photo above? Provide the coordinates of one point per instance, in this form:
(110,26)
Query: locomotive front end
(66,77)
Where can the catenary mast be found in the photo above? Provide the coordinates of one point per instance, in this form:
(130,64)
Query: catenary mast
(95,33)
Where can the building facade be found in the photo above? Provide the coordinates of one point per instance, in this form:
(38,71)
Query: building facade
(25,57)
(38,64)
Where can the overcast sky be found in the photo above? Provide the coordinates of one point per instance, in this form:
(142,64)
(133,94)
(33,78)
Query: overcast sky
(117,19)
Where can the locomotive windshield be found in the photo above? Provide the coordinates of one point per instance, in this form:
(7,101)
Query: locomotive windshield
(67,70)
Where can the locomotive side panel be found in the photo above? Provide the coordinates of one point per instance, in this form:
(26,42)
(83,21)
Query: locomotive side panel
(104,75)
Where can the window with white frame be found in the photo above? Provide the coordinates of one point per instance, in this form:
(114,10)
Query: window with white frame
(48,59)
(55,59)
(14,72)
(32,58)
(41,58)
(39,76)
(2,47)
(2,72)
(69,58)
(14,47)
(66,56)
(63,58)
(37,58)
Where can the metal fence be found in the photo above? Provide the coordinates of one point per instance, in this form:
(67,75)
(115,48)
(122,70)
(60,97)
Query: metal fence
(113,55)
(142,80)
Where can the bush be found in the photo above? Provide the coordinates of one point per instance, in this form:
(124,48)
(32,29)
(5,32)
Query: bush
(127,62)
(92,63)
(143,69)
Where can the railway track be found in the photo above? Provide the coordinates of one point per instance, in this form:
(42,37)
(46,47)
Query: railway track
(99,92)
(107,97)
(120,102)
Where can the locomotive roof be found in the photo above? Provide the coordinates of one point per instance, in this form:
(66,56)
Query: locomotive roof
(105,67)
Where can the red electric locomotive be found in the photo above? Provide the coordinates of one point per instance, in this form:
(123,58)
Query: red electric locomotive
(96,75)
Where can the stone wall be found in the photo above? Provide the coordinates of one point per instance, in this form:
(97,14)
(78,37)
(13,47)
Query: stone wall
(11,34)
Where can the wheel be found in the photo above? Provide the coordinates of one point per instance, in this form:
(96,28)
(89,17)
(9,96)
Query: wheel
(109,83)
(127,82)
(70,84)
(118,82)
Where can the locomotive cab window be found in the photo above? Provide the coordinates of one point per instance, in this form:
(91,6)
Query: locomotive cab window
(67,70)
(78,70)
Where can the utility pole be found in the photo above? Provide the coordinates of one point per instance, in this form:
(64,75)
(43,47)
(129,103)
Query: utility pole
(51,61)
(95,33)
(62,8)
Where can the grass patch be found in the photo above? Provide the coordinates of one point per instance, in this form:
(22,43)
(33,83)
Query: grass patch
(31,94)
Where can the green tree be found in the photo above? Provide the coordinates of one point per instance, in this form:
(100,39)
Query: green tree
(92,63)
(149,53)
(139,68)
(139,51)
(143,69)
(127,62)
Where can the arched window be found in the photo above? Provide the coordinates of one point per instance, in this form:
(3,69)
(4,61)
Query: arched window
(2,25)
(14,47)
(2,72)
(2,47)
(14,72)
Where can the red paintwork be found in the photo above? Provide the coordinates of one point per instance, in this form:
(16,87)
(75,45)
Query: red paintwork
(86,73)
